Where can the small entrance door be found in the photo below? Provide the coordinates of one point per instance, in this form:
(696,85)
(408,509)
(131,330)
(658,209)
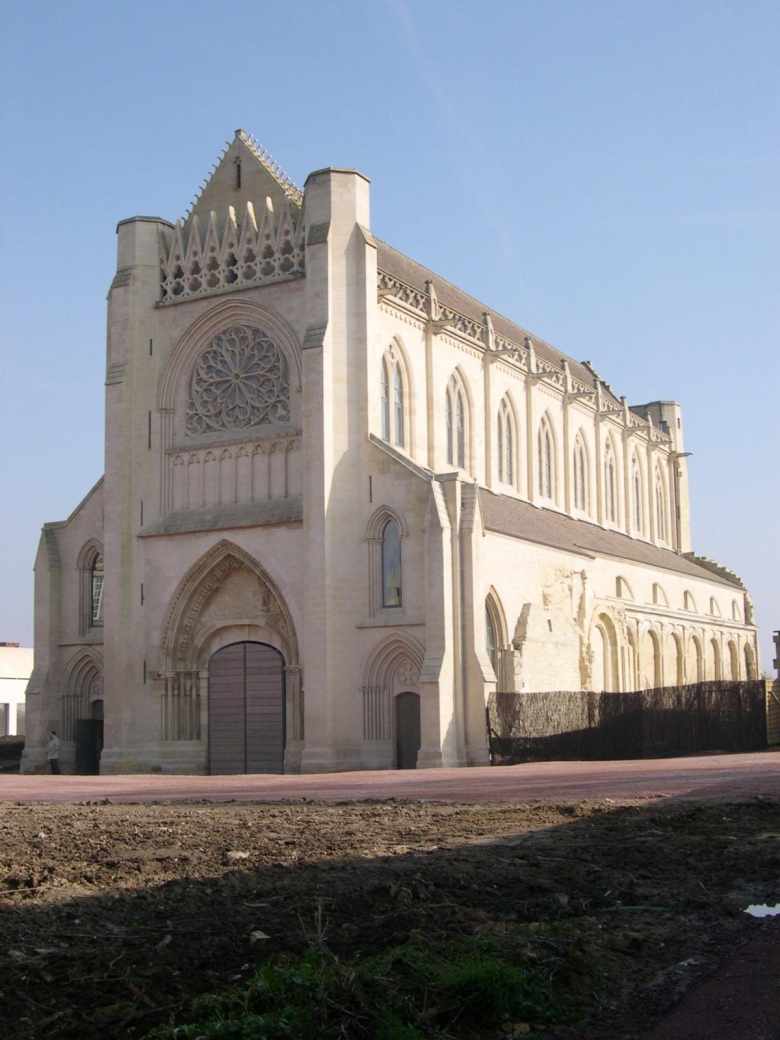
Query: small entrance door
(246,710)
(89,741)
(407,730)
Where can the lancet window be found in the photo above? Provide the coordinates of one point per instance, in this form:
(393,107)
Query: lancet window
(636,491)
(96,589)
(393,399)
(660,508)
(391,565)
(505,443)
(545,450)
(385,402)
(580,476)
(456,423)
(385,534)
(91,569)
(610,483)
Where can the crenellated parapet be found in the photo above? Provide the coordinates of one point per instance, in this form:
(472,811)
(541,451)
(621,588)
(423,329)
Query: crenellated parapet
(231,255)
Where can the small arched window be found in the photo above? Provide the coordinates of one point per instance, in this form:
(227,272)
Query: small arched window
(457,420)
(545,450)
(398,406)
(450,453)
(500,444)
(385,402)
(610,483)
(660,508)
(391,565)
(460,438)
(580,476)
(505,440)
(393,413)
(96,591)
(490,640)
(636,487)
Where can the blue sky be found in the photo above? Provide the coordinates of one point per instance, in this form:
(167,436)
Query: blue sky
(605,172)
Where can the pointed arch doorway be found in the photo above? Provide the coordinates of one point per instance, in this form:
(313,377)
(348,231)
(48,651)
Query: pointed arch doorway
(246,711)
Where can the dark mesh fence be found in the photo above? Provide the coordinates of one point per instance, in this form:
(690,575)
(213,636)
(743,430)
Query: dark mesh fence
(672,720)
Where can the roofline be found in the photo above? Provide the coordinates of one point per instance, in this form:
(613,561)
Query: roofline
(336,169)
(83,502)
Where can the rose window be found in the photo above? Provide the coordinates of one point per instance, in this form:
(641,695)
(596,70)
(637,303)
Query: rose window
(240,380)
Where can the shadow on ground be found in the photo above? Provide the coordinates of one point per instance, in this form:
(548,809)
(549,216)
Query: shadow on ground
(113,917)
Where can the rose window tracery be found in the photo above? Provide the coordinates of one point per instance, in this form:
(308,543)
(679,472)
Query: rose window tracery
(241,379)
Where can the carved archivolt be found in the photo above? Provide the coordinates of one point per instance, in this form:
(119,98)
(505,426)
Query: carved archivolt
(264,606)
(82,683)
(241,379)
(394,665)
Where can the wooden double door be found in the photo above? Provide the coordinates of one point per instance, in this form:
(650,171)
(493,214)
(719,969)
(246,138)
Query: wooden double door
(246,710)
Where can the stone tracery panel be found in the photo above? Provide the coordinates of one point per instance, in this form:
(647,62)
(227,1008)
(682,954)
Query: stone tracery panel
(240,380)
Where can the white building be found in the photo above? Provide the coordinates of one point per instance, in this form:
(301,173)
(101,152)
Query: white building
(343,502)
(16,665)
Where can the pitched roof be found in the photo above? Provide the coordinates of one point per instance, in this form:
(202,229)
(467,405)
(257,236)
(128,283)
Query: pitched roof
(518,519)
(16,662)
(401,267)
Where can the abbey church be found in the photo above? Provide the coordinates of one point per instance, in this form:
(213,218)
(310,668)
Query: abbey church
(343,502)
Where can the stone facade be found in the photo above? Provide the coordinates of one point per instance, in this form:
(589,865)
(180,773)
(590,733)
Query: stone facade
(317,445)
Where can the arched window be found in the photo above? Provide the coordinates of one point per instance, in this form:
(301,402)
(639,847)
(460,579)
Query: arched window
(580,476)
(545,447)
(391,565)
(460,438)
(385,534)
(450,453)
(96,589)
(660,507)
(500,446)
(496,639)
(505,441)
(510,440)
(610,483)
(398,401)
(90,565)
(659,596)
(636,488)
(393,418)
(490,640)
(457,423)
(385,402)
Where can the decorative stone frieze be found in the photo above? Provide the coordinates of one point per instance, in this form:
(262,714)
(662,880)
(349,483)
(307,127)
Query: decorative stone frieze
(231,257)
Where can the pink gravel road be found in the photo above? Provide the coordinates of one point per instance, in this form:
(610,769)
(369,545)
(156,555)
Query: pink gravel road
(706,776)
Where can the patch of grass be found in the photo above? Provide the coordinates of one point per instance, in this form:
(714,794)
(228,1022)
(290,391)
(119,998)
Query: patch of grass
(464,989)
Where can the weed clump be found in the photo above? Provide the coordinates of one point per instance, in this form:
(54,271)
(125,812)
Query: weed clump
(466,988)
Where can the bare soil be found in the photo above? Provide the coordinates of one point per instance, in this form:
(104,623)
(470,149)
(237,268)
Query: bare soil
(113,917)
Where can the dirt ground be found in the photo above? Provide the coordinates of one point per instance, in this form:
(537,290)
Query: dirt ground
(113,916)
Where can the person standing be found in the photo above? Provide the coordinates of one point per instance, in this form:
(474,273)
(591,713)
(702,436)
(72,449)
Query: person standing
(53,752)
